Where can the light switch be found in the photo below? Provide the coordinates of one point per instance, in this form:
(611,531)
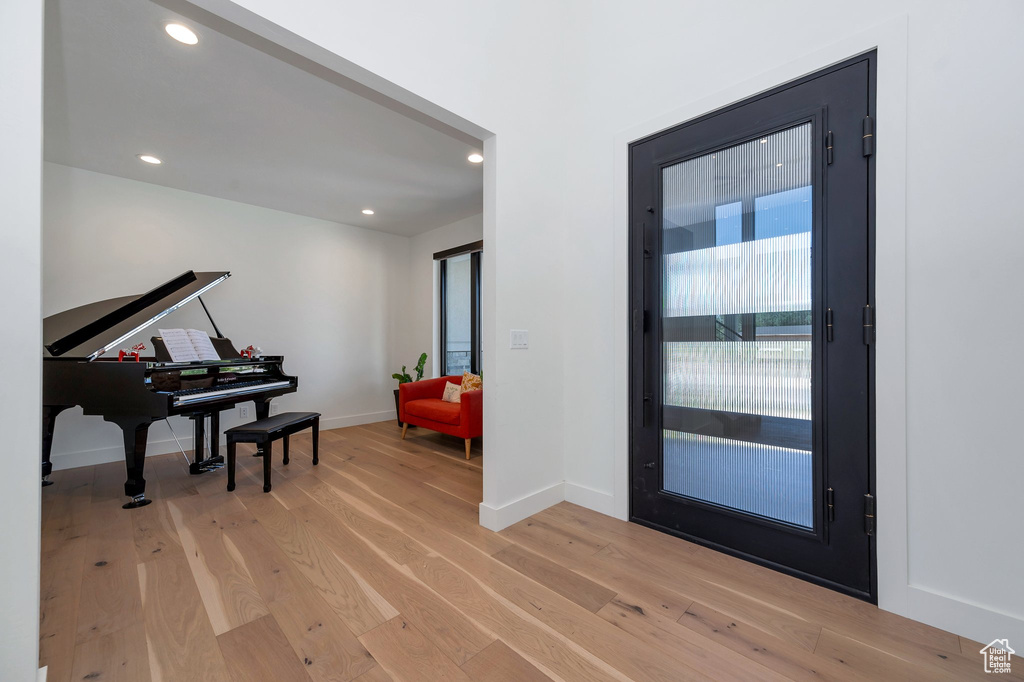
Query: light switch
(519,339)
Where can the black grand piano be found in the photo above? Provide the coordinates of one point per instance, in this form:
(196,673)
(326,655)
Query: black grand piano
(80,369)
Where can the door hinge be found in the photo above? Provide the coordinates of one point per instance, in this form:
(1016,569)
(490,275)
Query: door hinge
(868,139)
(828,148)
(640,321)
(829,331)
(868,318)
(869,514)
(830,500)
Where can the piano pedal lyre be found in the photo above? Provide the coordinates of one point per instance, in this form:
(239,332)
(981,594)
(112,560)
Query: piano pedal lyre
(206,465)
(137,501)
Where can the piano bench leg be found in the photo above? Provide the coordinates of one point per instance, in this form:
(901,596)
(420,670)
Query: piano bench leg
(267,449)
(284,455)
(231,465)
(316,441)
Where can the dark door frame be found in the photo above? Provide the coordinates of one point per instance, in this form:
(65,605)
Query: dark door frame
(638,321)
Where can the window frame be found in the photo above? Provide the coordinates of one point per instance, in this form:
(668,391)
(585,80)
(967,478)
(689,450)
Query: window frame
(475,251)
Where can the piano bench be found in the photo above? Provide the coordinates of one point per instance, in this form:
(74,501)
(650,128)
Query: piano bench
(264,432)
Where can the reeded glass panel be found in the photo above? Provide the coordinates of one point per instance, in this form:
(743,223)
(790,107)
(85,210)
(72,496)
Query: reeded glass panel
(723,471)
(740,278)
(729,223)
(737,351)
(763,377)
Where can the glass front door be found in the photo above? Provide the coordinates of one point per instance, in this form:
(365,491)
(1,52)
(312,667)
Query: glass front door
(750,362)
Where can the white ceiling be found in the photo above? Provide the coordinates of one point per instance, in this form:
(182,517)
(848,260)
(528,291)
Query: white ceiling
(231,121)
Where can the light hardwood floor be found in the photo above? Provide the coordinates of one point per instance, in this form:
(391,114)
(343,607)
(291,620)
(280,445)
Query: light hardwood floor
(371,566)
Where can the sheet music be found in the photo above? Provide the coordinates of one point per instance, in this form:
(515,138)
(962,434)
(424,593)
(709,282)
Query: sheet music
(202,344)
(179,345)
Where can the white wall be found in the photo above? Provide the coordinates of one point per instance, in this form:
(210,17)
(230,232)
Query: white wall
(21,73)
(498,66)
(559,82)
(329,297)
(423,312)
(633,63)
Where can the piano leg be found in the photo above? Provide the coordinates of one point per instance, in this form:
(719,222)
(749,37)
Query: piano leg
(215,436)
(135,432)
(199,439)
(50,413)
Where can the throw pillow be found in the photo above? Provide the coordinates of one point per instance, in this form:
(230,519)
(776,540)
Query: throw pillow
(452,393)
(471,382)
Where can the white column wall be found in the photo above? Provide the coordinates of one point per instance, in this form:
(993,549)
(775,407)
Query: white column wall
(21,133)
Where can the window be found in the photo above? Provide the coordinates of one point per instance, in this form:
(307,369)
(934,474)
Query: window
(459,323)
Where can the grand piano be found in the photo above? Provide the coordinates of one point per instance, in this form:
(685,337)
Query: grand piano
(79,369)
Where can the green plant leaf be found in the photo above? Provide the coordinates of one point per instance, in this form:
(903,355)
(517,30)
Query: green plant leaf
(402,378)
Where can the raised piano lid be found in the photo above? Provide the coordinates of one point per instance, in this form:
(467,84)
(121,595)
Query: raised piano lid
(91,330)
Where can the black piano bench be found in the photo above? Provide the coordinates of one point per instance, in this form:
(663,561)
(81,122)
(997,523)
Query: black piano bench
(264,432)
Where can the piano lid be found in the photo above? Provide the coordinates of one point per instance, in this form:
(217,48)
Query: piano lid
(91,330)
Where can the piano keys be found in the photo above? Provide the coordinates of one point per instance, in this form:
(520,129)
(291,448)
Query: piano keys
(77,371)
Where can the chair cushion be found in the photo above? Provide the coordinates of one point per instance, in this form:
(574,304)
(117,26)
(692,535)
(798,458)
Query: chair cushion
(435,410)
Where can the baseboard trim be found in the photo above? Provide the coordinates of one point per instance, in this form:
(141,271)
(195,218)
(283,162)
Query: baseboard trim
(499,518)
(963,618)
(84,458)
(357,420)
(41,675)
(603,503)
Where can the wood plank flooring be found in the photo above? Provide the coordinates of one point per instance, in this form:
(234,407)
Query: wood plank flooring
(372,567)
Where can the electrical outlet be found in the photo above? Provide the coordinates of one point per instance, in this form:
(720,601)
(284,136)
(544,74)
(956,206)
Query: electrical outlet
(519,339)
(243,412)
(274,408)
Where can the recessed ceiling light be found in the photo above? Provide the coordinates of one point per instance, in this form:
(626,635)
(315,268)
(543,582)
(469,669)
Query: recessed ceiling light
(475,158)
(183,34)
(149,158)
(367,211)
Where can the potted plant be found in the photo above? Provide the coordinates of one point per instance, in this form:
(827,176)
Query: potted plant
(403,377)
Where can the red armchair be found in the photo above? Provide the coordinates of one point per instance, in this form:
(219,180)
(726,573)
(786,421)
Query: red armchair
(420,404)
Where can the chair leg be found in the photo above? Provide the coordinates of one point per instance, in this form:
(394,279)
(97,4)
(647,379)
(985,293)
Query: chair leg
(268,447)
(284,456)
(231,465)
(405,427)
(469,444)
